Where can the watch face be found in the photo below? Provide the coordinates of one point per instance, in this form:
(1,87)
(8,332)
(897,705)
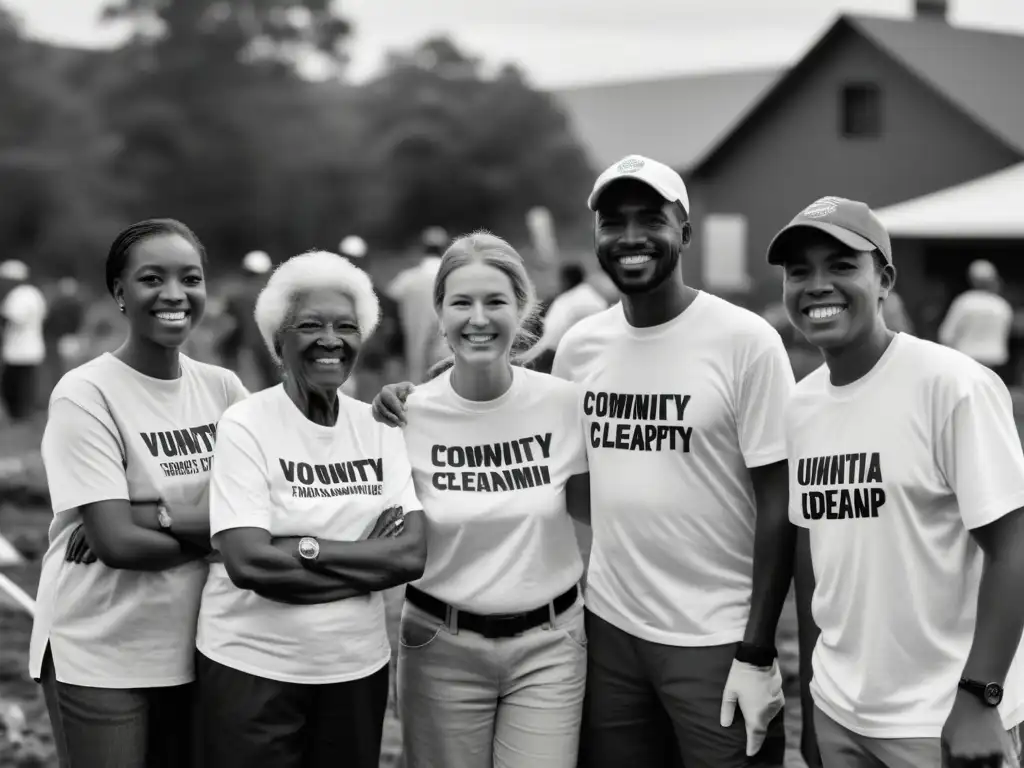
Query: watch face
(309,548)
(993,694)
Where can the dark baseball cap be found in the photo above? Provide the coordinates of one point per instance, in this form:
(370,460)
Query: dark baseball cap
(850,222)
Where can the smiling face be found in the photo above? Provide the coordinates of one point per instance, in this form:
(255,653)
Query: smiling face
(833,294)
(638,236)
(479,314)
(163,289)
(321,342)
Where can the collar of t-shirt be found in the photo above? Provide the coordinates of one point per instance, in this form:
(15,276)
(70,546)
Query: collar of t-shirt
(848,391)
(688,315)
(457,401)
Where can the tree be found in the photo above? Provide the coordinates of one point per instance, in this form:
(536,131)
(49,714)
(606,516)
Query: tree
(445,143)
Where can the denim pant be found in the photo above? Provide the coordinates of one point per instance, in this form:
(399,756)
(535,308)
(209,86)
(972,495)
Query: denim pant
(842,748)
(120,728)
(466,701)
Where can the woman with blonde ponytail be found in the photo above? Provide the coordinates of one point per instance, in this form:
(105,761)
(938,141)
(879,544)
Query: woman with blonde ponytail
(492,657)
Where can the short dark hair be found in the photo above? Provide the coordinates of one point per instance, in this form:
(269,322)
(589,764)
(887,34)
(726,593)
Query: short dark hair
(128,237)
(879,260)
(572,275)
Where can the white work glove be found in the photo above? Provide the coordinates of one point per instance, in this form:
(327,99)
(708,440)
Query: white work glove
(758,691)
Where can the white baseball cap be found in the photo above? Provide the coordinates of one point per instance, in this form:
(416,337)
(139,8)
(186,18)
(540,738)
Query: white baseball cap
(257,262)
(13,269)
(353,246)
(658,176)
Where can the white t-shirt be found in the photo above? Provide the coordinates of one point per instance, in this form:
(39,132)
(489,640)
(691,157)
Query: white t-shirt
(566,310)
(492,478)
(978,324)
(675,416)
(890,473)
(24,309)
(279,471)
(107,627)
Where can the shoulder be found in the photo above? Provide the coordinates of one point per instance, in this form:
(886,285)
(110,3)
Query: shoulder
(429,393)
(740,323)
(588,336)
(946,373)
(86,380)
(537,384)
(260,408)
(208,372)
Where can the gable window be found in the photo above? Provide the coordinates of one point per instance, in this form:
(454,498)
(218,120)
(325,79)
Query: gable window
(860,111)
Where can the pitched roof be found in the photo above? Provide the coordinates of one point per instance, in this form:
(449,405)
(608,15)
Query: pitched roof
(984,207)
(670,119)
(977,71)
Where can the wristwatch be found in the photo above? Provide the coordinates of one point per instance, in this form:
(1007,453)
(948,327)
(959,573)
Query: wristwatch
(756,655)
(163,517)
(990,694)
(309,549)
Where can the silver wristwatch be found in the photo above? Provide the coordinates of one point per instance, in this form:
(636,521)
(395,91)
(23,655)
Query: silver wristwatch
(309,548)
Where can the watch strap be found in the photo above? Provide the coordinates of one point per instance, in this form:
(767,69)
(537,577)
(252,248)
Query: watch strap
(756,655)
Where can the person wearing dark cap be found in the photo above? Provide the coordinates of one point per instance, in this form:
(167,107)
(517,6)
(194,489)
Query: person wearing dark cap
(907,473)
(682,404)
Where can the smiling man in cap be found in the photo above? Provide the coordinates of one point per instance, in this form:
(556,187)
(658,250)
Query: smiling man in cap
(907,472)
(683,395)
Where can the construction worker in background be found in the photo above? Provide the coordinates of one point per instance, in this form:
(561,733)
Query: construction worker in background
(979,321)
(241,347)
(413,291)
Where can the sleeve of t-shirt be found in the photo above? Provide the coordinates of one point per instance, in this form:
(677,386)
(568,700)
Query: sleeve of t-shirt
(765,389)
(398,485)
(82,457)
(562,365)
(239,486)
(796,515)
(236,390)
(980,454)
(575,434)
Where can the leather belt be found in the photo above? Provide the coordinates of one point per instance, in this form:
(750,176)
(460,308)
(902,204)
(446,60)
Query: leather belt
(493,625)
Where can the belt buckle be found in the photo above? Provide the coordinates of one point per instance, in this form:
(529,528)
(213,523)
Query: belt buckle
(493,623)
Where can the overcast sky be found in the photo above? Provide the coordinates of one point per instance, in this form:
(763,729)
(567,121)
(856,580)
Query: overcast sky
(560,42)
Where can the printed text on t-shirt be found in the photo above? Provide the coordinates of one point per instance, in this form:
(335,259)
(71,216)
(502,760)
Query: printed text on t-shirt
(506,466)
(861,470)
(638,416)
(360,477)
(190,441)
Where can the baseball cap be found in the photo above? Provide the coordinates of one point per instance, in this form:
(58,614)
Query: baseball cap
(658,176)
(850,222)
(12,269)
(257,262)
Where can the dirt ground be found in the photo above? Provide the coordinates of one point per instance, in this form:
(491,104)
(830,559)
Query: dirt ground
(24,517)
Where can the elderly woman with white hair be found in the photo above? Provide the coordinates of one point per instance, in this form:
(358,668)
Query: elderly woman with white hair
(313,512)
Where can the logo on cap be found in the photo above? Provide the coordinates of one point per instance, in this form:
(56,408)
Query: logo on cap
(819,208)
(630,165)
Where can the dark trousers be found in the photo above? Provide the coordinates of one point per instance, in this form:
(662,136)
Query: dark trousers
(658,706)
(120,728)
(252,722)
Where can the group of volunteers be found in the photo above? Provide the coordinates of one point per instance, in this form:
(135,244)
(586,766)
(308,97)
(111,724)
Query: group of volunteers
(212,593)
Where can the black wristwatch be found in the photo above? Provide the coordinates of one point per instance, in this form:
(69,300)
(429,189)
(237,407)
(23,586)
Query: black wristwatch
(756,655)
(990,694)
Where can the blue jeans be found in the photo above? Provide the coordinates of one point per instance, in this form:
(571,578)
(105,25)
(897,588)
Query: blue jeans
(120,728)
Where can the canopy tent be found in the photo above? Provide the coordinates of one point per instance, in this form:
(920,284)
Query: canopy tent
(988,207)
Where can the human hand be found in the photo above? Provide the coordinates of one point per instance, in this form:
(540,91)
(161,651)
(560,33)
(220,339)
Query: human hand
(389,404)
(391,523)
(973,736)
(78,549)
(758,693)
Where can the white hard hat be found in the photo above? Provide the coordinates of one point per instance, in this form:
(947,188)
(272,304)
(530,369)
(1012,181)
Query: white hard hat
(14,270)
(353,246)
(257,262)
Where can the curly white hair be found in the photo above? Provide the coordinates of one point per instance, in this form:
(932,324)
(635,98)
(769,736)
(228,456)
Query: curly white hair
(308,271)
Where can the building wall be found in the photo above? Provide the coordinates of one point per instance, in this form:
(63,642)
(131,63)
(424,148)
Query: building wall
(793,153)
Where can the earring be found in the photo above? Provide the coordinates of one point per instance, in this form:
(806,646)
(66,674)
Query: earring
(120,306)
